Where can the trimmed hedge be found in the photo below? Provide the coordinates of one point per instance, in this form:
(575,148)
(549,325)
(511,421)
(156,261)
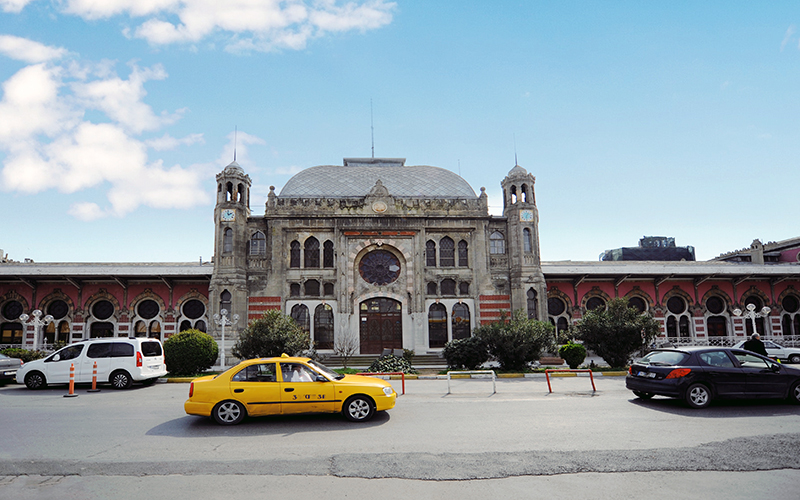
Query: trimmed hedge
(469,353)
(24,354)
(391,363)
(190,352)
(573,354)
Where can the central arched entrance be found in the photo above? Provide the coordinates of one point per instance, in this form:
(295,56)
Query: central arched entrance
(381,325)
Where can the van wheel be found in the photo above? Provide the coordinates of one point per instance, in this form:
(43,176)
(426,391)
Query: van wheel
(120,380)
(35,380)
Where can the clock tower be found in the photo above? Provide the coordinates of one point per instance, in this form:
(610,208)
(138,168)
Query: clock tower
(528,288)
(228,287)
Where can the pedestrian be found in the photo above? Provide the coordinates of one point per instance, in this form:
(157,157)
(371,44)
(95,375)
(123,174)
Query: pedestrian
(755,345)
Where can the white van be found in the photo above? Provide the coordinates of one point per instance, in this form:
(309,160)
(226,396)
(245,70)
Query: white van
(120,362)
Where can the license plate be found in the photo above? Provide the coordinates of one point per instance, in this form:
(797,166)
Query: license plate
(646,374)
(10,373)
(155,367)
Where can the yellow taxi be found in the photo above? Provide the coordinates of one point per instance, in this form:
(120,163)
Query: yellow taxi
(283,386)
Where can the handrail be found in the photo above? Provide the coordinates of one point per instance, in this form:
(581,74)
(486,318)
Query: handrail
(580,370)
(477,372)
(402,376)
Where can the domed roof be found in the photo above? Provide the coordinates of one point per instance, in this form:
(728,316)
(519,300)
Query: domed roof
(358,176)
(233,166)
(517,171)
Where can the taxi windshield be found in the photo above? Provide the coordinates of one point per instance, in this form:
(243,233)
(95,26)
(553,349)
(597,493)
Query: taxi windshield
(325,370)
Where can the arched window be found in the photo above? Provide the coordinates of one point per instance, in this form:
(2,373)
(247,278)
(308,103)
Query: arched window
(225,302)
(447,252)
(140,329)
(595,303)
(258,244)
(533,304)
(227,240)
(637,303)
(430,254)
(323,326)
(300,316)
(311,252)
(311,288)
(524,193)
(437,325)
(463,254)
(327,254)
(433,288)
(185,325)
(527,241)
(497,243)
(461,323)
(154,330)
(448,287)
(294,254)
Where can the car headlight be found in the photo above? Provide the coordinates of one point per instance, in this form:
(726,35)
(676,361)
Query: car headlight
(388,391)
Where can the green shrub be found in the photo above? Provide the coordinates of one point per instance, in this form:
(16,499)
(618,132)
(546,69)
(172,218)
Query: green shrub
(23,354)
(469,353)
(517,342)
(271,335)
(573,354)
(190,352)
(391,363)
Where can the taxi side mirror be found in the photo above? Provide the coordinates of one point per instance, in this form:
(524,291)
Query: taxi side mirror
(320,378)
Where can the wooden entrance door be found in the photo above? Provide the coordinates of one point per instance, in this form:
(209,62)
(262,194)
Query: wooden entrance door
(381,325)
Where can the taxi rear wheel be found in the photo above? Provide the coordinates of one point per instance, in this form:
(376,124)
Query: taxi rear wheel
(358,409)
(228,412)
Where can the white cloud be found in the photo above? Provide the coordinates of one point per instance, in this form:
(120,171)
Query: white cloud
(50,144)
(261,25)
(787,36)
(14,6)
(28,51)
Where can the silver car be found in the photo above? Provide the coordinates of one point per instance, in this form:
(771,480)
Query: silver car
(777,351)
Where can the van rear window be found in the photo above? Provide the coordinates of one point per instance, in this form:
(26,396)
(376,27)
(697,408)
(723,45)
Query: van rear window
(151,349)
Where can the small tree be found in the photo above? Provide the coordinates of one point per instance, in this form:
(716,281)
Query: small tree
(271,335)
(573,354)
(616,332)
(346,346)
(190,352)
(516,342)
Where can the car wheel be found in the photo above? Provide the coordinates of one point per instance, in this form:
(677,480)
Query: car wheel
(358,409)
(794,358)
(698,396)
(794,393)
(643,395)
(35,380)
(228,412)
(120,380)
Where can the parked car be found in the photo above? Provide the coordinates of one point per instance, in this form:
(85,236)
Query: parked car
(8,368)
(777,351)
(702,374)
(283,386)
(120,362)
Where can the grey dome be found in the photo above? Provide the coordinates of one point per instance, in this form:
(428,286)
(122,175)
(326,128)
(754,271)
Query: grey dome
(358,176)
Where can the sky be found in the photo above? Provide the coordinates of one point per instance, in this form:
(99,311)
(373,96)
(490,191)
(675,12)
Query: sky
(637,119)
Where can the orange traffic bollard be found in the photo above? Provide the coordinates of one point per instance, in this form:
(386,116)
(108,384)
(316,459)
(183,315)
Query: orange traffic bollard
(94,379)
(71,382)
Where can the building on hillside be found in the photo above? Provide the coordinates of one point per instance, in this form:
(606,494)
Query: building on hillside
(394,256)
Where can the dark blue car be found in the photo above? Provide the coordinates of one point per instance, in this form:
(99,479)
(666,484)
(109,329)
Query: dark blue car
(702,374)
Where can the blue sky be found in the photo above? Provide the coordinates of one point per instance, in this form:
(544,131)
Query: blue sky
(637,118)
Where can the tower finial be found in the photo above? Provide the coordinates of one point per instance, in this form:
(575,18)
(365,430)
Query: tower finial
(515,150)
(235,133)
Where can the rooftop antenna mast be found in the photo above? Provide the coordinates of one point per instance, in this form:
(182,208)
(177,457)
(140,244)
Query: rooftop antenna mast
(372,128)
(235,132)
(515,150)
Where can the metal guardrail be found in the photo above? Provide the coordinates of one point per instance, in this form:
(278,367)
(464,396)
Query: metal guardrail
(476,372)
(578,370)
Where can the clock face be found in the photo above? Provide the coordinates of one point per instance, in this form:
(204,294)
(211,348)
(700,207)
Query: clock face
(526,216)
(228,215)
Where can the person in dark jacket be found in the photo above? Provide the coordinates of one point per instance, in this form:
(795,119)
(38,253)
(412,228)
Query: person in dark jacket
(755,345)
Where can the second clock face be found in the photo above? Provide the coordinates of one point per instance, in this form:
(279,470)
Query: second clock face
(526,215)
(228,215)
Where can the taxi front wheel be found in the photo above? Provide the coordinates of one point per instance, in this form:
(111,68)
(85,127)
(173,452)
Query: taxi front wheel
(228,412)
(358,409)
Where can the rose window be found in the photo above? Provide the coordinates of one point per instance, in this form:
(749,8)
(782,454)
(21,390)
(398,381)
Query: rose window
(379,267)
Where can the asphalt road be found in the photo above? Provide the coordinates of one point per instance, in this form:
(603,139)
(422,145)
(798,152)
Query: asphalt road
(470,443)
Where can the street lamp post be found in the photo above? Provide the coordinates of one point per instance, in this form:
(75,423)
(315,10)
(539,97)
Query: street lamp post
(222,321)
(752,314)
(37,322)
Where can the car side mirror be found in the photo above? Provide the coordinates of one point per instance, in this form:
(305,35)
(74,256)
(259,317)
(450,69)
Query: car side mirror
(775,368)
(320,378)
(57,357)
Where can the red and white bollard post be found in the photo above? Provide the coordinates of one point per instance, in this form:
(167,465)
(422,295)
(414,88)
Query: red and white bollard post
(94,379)
(71,382)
